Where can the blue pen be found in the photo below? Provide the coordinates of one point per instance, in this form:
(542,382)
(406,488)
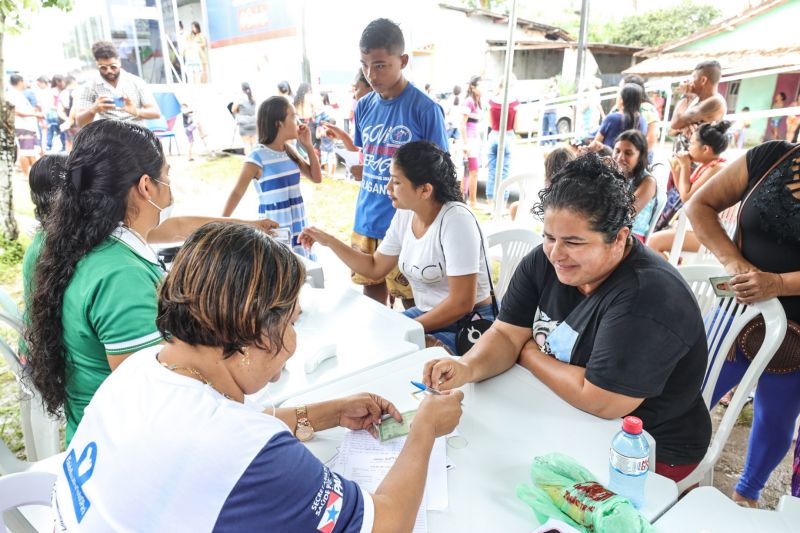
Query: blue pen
(424,388)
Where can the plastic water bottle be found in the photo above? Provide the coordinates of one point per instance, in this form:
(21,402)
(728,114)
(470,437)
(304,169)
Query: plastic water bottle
(629,461)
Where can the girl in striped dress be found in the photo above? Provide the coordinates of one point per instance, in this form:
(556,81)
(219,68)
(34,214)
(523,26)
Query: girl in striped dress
(274,167)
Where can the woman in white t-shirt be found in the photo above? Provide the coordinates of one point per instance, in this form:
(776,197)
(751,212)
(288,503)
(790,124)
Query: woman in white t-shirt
(172,421)
(435,240)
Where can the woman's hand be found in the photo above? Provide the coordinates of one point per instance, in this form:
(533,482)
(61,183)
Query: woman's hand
(442,411)
(683,159)
(310,235)
(304,136)
(594,146)
(754,287)
(361,411)
(739,266)
(445,374)
(266,225)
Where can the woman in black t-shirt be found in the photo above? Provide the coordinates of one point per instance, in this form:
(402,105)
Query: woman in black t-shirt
(599,318)
(765,265)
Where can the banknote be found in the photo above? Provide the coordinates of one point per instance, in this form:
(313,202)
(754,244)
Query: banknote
(391,429)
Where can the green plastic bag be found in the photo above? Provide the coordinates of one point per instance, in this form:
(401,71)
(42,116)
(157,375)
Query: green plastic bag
(564,490)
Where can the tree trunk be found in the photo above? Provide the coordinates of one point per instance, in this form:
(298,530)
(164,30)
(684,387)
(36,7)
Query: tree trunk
(8,154)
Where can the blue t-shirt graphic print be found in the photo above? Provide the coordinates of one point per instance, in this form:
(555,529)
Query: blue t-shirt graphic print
(383,126)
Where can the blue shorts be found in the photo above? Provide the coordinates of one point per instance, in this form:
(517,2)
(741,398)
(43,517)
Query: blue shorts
(447,334)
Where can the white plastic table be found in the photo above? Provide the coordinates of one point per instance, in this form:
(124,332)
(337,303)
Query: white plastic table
(507,421)
(365,333)
(707,510)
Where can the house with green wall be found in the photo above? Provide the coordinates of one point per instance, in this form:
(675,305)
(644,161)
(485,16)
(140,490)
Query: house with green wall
(759,51)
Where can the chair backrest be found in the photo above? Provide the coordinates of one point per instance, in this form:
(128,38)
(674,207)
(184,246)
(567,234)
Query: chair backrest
(39,429)
(25,488)
(526,185)
(661,200)
(515,243)
(724,320)
(728,220)
(157,125)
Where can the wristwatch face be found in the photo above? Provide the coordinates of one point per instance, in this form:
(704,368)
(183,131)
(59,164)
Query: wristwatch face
(304,433)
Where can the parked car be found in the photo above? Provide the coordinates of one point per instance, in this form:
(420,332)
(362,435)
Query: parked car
(529,116)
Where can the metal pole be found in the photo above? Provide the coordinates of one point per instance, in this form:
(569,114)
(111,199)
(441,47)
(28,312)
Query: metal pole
(581,60)
(666,118)
(501,144)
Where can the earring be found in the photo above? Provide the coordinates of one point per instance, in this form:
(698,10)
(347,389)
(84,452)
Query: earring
(245,357)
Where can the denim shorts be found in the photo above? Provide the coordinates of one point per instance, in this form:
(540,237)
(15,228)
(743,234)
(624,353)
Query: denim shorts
(447,334)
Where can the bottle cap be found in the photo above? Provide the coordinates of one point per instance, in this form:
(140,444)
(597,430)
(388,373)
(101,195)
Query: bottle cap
(632,425)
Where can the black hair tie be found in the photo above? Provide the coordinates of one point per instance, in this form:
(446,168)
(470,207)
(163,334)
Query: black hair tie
(76,177)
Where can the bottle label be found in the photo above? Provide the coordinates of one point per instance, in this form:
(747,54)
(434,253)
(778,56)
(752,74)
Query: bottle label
(630,466)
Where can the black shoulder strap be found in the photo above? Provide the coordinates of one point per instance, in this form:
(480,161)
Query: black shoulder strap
(495,310)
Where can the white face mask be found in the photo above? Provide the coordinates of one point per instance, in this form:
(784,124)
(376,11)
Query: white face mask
(164,212)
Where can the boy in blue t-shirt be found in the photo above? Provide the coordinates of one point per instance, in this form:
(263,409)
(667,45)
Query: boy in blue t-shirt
(394,114)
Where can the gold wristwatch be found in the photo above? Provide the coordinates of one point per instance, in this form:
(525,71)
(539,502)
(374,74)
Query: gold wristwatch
(304,430)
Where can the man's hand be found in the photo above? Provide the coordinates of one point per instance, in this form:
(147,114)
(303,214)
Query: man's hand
(129,107)
(103,103)
(334,132)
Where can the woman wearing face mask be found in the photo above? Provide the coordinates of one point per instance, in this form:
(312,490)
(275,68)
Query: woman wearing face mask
(94,284)
(226,311)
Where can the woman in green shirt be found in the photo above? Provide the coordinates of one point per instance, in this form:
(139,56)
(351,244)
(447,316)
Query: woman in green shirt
(93,293)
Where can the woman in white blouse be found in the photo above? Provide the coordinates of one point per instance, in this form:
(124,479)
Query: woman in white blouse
(433,237)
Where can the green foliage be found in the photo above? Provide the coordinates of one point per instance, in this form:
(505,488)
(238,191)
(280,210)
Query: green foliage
(11,252)
(11,10)
(663,25)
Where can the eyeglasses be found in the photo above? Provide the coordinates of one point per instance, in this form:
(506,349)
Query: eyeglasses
(107,68)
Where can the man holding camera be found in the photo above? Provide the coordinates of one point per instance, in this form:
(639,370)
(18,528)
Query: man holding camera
(114,94)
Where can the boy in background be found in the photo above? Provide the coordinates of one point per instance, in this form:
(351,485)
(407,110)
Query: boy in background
(395,113)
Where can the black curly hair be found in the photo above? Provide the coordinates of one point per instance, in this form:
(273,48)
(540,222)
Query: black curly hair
(423,162)
(108,159)
(46,176)
(594,187)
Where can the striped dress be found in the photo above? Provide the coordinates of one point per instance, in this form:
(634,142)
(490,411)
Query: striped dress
(278,190)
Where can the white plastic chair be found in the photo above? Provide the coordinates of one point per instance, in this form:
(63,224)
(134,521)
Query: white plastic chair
(526,185)
(26,488)
(725,319)
(661,200)
(515,243)
(703,256)
(39,429)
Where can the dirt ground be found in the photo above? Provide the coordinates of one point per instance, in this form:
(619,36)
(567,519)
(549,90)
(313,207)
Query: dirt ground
(731,463)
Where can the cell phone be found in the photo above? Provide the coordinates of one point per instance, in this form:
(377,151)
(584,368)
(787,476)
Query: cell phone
(118,101)
(722,286)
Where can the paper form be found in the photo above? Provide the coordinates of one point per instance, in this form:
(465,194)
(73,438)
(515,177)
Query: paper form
(365,460)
